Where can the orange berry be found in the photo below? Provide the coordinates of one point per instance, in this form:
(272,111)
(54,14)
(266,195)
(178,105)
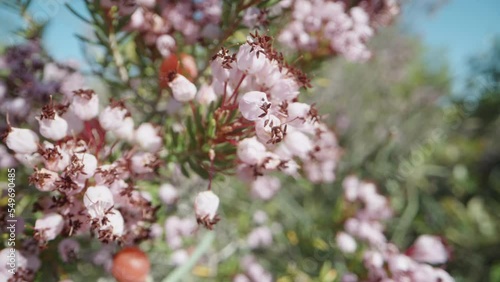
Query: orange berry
(130,265)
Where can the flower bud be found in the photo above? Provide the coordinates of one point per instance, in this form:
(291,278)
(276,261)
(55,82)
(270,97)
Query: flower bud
(22,141)
(182,89)
(130,265)
(254,105)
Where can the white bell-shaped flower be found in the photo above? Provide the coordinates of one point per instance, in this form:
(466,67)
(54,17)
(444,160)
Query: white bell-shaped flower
(49,226)
(98,200)
(250,59)
(115,222)
(86,107)
(22,141)
(254,105)
(89,163)
(111,118)
(206,205)
(182,89)
(53,128)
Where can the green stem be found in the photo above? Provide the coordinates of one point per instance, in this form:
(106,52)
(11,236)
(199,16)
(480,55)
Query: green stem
(408,215)
(201,249)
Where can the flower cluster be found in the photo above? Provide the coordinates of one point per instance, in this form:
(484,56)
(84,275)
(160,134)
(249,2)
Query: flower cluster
(332,27)
(275,131)
(87,187)
(158,20)
(381,258)
(30,78)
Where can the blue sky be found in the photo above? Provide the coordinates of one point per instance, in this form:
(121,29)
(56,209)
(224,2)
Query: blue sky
(461,28)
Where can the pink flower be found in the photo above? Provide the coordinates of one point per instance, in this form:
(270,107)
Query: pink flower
(298,143)
(165,44)
(428,249)
(142,162)
(168,194)
(111,118)
(264,128)
(254,105)
(22,141)
(126,130)
(49,226)
(44,180)
(346,242)
(260,237)
(250,59)
(75,124)
(265,187)
(68,249)
(251,151)
(179,257)
(206,94)
(285,89)
(115,222)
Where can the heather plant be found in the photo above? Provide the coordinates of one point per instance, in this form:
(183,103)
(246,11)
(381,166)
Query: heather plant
(197,94)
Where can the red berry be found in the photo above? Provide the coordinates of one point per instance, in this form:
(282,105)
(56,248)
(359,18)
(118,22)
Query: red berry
(130,265)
